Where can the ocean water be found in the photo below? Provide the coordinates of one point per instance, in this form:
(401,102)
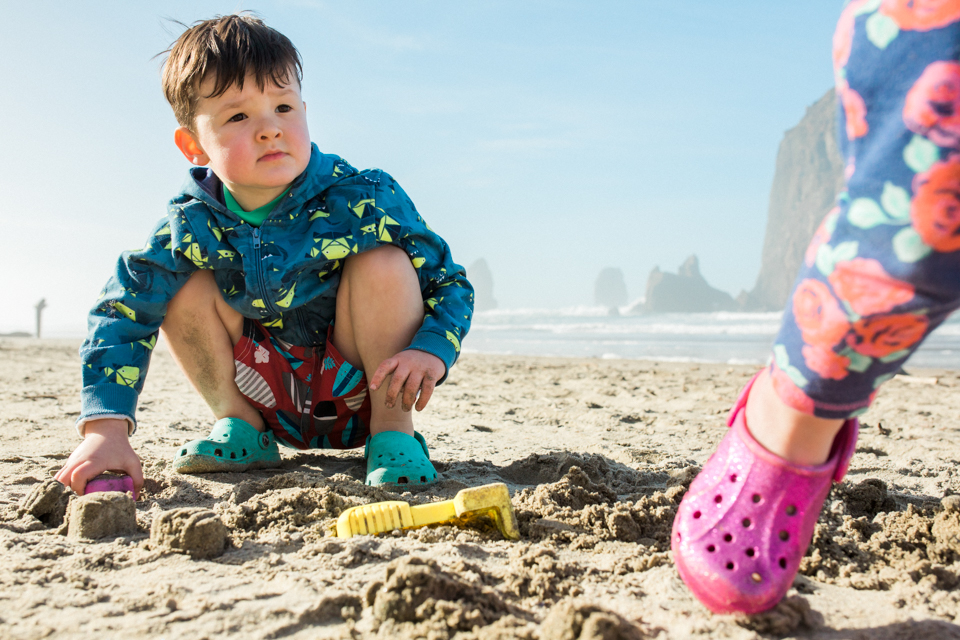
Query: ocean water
(588,332)
(725,337)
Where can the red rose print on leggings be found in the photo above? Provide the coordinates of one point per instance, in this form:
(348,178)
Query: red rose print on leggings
(881,336)
(867,287)
(921,15)
(935,211)
(821,321)
(932,107)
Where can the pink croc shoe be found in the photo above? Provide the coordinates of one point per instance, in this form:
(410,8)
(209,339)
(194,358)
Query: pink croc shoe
(749,516)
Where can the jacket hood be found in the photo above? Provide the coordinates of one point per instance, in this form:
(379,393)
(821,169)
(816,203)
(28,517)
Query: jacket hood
(204,185)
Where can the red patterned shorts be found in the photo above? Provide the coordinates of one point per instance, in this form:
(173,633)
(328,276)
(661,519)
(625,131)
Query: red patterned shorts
(309,399)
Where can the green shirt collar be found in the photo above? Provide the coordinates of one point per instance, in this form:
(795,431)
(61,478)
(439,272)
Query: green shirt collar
(258,215)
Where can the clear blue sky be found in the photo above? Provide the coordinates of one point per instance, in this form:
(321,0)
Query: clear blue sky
(551,138)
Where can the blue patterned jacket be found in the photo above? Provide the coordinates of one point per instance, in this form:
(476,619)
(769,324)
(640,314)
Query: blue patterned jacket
(284,273)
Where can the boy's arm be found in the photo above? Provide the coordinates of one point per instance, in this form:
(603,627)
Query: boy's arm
(123,327)
(447,294)
(383,214)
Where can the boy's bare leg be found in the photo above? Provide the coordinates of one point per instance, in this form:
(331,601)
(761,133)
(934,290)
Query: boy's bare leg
(379,309)
(798,437)
(202,330)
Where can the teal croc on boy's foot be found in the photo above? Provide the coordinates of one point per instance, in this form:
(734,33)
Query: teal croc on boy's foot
(396,459)
(233,445)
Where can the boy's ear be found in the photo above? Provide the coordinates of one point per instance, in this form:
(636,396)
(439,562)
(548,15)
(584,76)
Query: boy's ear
(189,147)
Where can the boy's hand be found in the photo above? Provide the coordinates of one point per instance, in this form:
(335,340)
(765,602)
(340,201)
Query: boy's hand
(413,371)
(105,447)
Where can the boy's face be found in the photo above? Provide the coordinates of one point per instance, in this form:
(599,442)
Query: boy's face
(255,141)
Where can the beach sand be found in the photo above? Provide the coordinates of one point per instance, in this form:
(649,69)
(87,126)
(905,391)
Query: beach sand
(596,453)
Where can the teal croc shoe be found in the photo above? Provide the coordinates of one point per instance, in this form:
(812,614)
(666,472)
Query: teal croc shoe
(233,445)
(396,459)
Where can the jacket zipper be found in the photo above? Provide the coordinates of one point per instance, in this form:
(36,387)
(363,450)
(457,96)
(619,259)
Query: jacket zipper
(258,259)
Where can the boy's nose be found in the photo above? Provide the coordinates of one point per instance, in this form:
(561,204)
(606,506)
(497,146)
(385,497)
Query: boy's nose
(270,130)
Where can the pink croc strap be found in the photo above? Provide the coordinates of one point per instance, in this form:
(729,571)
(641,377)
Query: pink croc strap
(845,445)
(741,402)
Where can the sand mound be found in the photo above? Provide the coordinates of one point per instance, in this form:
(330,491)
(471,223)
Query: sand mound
(863,541)
(418,591)
(577,510)
(102,515)
(45,505)
(194,531)
(584,621)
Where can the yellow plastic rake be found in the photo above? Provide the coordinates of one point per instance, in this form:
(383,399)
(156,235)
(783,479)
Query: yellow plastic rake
(491,500)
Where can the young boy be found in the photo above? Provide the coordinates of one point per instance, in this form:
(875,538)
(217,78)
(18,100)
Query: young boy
(282,278)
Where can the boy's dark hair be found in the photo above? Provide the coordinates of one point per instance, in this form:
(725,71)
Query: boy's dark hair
(225,48)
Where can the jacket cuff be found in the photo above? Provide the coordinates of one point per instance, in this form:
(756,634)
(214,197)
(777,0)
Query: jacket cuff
(108,401)
(82,423)
(435,345)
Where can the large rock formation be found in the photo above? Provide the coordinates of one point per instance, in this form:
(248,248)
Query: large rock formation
(482,280)
(808,177)
(684,291)
(610,290)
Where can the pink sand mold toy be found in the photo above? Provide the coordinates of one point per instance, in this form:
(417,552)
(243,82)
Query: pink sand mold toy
(110,482)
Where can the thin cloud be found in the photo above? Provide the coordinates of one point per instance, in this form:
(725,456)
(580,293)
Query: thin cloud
(520,145)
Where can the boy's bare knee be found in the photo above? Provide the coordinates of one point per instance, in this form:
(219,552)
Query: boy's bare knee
(198,304)
(384,262)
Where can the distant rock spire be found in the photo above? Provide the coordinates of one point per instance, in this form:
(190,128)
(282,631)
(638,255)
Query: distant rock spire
(685,291)
(610,290)
(480,277)
(808,176)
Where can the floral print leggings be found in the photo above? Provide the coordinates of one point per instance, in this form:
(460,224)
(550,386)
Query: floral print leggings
(883,269)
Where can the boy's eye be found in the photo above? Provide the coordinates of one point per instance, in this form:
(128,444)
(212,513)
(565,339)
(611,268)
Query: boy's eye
(237,118)
(284,108)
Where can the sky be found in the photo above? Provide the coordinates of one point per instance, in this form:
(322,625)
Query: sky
(550,138)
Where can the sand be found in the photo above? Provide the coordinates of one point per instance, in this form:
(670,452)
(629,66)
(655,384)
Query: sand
(596,454)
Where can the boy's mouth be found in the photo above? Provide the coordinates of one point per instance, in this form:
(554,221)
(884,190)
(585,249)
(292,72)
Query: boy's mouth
(273,155)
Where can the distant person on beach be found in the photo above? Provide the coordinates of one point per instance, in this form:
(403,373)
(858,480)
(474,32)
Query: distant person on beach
(283,280)
(882,271)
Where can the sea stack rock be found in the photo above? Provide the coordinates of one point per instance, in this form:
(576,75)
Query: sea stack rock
(808,177)
(684,292)
(610,290)
(482,280)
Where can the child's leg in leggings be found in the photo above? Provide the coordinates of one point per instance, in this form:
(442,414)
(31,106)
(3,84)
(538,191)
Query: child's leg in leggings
(881,273)
(884,268)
